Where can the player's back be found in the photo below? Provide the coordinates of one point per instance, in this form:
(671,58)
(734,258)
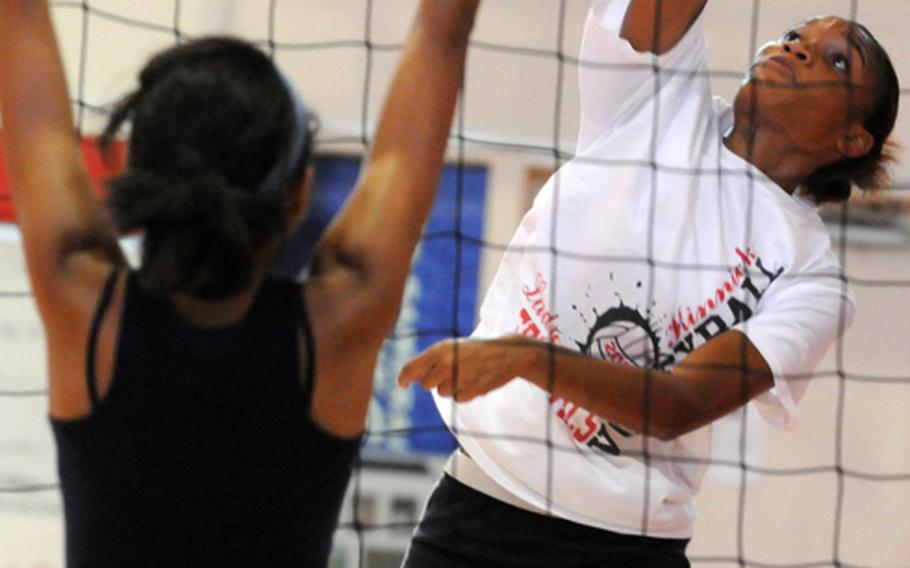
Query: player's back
(203,451)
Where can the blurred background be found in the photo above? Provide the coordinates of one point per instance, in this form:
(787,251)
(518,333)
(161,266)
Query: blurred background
(834,492)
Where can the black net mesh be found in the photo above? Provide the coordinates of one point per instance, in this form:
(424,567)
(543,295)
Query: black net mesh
(837,489)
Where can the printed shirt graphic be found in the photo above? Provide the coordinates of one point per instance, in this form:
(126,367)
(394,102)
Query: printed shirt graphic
(728,249)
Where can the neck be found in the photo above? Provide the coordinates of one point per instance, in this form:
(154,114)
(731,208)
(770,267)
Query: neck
(224,311)
(773,153)
(215,313)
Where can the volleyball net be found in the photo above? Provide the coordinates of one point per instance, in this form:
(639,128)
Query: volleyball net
(836,492)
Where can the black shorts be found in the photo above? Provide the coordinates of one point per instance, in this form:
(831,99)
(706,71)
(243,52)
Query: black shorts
(463,528)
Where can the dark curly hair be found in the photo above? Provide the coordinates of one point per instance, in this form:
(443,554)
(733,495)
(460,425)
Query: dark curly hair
(212,122)
(834,183)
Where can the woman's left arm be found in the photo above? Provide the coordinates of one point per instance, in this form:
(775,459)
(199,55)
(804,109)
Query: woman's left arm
(714,380)
(56,210)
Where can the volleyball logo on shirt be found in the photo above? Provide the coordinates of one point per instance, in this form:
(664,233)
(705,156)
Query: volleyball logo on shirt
(623,336)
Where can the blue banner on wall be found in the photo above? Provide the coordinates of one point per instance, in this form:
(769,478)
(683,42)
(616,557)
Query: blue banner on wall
(440,297)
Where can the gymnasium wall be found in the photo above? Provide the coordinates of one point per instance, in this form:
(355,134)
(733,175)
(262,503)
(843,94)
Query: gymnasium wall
(788,518)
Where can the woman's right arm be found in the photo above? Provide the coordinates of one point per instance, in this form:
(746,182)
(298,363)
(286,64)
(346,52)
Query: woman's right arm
(70,243)
(360,267)
(656,26)
(616,69)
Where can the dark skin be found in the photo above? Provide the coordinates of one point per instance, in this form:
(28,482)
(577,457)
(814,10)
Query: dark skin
(802,105)
(810,91)
(360,265)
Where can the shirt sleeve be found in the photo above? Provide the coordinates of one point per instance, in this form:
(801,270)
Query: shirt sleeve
(798,320)
(615,80)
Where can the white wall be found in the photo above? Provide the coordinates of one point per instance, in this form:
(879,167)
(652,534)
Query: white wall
(511,99)
(791,519)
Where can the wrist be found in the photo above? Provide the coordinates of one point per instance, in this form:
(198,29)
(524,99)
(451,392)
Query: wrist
(529,359)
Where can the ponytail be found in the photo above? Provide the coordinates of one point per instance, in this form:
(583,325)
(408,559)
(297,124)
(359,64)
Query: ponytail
(201,235)
(219,143)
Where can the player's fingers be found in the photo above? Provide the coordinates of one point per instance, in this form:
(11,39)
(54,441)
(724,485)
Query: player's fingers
(417,368)
(438,354)
(466,393)
(435,377)
(480,383)
(447,384)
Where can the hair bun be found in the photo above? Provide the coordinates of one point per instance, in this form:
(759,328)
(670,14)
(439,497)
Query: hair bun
(197,236)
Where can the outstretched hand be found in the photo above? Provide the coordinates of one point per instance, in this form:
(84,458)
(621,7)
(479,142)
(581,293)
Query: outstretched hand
(467,368)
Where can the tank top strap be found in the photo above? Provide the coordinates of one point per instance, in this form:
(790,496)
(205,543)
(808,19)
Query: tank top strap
(309,343)
(104,302)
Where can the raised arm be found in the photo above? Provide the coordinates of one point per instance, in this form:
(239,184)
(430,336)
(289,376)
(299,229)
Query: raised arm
(657,25)
(374,237)
(359,269)
(616,71)
(56,210)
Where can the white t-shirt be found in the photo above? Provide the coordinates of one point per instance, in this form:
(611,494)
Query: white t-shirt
(649,263)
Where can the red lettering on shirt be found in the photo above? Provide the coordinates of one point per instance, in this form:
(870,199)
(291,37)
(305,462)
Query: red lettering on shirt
(688,317)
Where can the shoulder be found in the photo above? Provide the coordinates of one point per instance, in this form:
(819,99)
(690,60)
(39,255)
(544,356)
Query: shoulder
(87,326)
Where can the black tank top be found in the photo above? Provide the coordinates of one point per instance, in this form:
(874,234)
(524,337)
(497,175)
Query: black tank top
(203,452)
